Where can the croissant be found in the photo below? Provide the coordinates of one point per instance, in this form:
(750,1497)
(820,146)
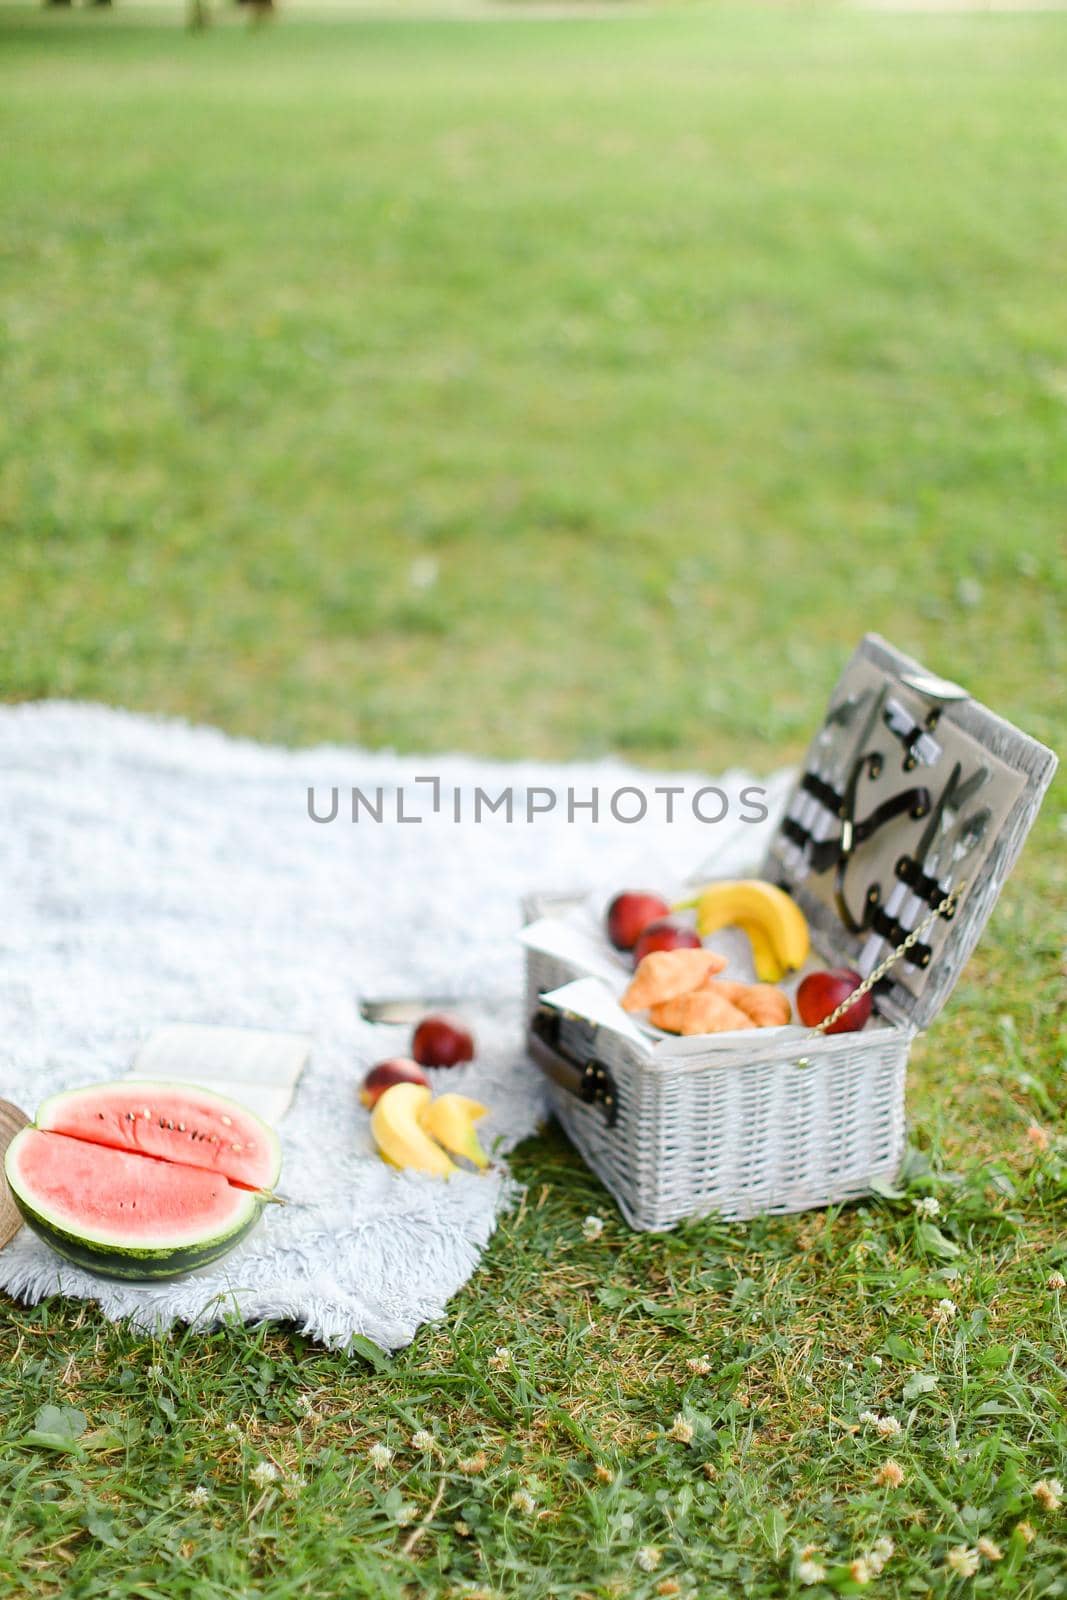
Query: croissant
(702,1011)
(666,974)
(767,1005)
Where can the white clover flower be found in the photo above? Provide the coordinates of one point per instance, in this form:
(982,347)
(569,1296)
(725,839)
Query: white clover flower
(945,1310)
(928,1206)
(306,1405)
(500,1360)
(876,1361)
(471,1466)
(649,1557)
(1056,1280)
(264,1472)
(423,572)
(592,1228)
(234,1428)
(422,1440)
(809,1571)
(462,1529)
(869,1419)
(700,1365)
(522,1500)
(888,1427)
(380,1456)
(200,1495)
(681,1430)
(879,1554)
(1026,1531)
(1048,1492)
(963,1562)
(406,1514)
(155,1371)
(990,1550)
(890,1475)
(860,1570)
(292,1486)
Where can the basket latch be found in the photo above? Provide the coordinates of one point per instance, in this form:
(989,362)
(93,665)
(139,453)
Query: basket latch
(585,1076)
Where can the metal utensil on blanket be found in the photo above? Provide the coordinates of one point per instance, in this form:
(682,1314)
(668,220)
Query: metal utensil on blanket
(400,1009)
(11,1120)
(411,1008)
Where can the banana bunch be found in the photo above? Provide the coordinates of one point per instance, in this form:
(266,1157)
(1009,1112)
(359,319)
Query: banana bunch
(776,927)
(412,1129)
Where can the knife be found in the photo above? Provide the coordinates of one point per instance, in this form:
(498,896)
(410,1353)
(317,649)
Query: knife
(410,1009)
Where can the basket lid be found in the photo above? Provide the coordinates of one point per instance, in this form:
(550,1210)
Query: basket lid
(910,789)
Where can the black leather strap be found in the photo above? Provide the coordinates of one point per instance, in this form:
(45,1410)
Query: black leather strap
(588,1079)
(823,792)
(921,884)
(913,802)
(793,831)
(893,931)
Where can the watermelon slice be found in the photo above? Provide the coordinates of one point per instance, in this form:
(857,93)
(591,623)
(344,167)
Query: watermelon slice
(176,1122)
(104,1179)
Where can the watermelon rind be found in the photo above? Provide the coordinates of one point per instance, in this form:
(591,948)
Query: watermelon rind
(141,1262)
(48,1116)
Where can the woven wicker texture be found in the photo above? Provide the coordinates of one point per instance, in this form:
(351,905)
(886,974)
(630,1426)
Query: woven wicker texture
(11,1120)
(787,1121)
(746,1127)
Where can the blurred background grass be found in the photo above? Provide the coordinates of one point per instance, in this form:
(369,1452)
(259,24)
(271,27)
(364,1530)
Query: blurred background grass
(531,386)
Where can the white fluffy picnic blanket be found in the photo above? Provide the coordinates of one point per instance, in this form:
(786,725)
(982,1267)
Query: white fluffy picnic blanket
(154,872)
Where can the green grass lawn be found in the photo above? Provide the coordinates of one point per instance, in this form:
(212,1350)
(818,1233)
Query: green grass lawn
(560,387)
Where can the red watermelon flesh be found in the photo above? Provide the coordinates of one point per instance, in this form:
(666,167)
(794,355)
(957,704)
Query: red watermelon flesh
(174,1122)
(100,1196)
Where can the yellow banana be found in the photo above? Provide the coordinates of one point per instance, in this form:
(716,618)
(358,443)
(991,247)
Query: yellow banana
(401,1141)
(735,902)
(768,967)
(450,1120)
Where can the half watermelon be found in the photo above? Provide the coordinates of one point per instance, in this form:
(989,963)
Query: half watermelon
(142,1180)
(173,1121)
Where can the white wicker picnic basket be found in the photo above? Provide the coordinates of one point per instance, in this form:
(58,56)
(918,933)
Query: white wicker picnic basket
(912,807)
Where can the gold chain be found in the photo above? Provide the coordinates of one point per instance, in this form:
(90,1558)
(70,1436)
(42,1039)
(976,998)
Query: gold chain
(949,903)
